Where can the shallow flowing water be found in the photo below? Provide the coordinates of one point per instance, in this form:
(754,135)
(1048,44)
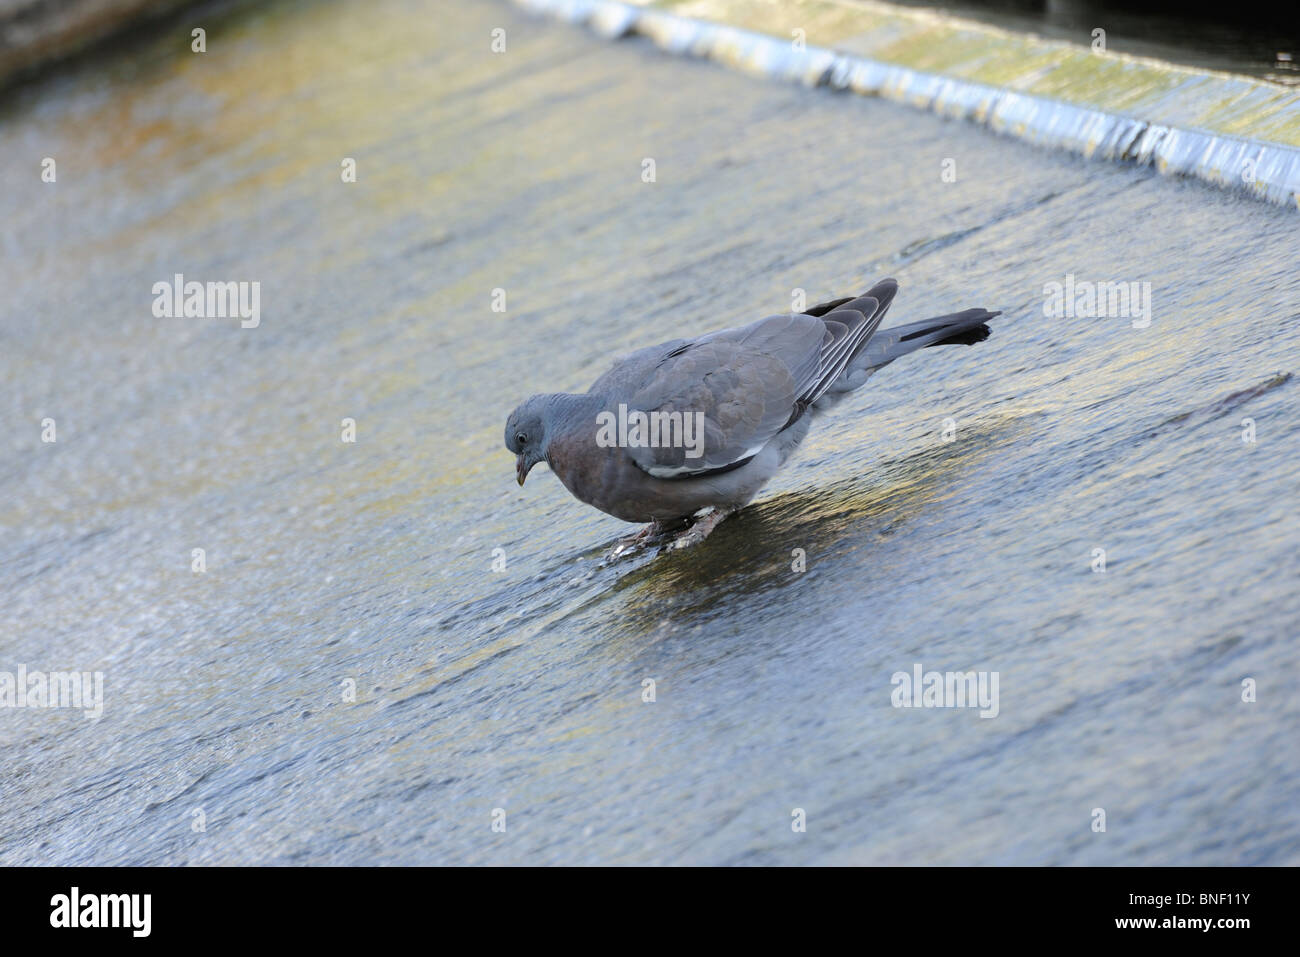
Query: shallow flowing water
(948,515)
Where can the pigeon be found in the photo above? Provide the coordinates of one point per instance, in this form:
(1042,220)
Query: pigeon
(683,434)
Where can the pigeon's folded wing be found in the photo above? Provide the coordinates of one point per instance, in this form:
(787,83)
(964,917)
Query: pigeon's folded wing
(711,404)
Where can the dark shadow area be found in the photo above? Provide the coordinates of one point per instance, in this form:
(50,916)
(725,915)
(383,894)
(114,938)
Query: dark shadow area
(747,565)
(1218,38)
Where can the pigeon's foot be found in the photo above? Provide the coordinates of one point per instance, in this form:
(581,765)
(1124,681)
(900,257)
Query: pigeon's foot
(705,522)
(631,543)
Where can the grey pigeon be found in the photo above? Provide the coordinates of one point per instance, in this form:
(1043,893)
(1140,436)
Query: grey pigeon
(690,430)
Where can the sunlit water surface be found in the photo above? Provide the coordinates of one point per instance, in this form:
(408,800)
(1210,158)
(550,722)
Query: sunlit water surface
(522,689)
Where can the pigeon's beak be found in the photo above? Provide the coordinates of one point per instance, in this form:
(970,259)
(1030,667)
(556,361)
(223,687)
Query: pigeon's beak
(521,468)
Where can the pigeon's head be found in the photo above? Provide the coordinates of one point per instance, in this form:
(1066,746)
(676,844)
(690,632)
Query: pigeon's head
(526,434)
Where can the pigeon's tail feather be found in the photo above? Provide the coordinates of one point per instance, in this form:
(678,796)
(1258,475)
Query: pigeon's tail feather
(959,328)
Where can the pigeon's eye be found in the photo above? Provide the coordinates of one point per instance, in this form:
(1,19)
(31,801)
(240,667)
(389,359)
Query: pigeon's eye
(521,439)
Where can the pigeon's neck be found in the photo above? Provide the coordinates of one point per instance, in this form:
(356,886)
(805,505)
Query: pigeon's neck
(568,417)
(569,411)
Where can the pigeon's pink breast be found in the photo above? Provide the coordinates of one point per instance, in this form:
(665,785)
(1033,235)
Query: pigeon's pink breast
(606,478)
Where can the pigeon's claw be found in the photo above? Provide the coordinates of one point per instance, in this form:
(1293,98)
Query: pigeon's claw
(705,522)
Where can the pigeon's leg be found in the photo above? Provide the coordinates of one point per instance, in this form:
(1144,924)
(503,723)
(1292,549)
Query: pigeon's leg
(630,543)
(705,522)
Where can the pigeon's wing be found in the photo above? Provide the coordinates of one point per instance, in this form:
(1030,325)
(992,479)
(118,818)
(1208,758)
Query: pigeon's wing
(723,395)
(630,370)
(824,307)
(726,395)
(883,292)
